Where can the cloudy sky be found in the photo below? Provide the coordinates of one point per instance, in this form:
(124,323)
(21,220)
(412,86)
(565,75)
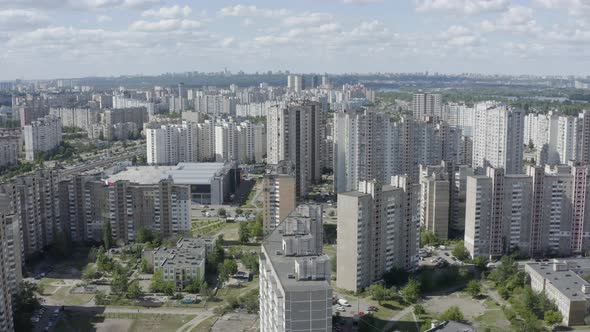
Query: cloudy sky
(73,38)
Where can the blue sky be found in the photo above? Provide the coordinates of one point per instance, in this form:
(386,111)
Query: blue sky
(73,38)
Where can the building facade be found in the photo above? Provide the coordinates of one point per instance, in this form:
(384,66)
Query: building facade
(377,231)
(295,291)
(42,135)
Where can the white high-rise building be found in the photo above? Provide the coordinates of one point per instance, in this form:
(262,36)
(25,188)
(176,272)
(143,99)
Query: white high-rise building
(294,133)
(427,104)
(553,136)
(461,116)
(377,231)
(42,135)
(171,144)
(226,142)
(9,148)
(370,146)
(540,213)
(295,291)
(498,137)
(295,83)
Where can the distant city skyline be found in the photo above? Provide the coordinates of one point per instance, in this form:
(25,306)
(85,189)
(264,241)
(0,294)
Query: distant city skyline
(81,38)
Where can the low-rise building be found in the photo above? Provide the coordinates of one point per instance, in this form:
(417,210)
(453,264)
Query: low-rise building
(561,284)
(184,262)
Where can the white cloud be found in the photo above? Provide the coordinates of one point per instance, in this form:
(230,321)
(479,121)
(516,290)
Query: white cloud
(252,11)
(458,35)
(19,19)
(104,18)
(574,7)
(175,11)
(515,19)
(271,40)
(79,4)
(361,2)
(306,19)
(228,41)
(165,25)
(465,6)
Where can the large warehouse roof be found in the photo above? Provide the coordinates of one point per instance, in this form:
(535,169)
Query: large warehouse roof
(183,173)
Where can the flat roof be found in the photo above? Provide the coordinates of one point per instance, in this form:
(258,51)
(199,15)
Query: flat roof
(566,281)
(285,265)
(183,173)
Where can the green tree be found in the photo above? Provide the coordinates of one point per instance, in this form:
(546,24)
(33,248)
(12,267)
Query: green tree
(428,238)
(553,317)
(239,211)
(481,263)
(419,310)
(244,233)
(120,282)
(107,236)
(193,286)
(378,292)
(395,277)
(143,235)
(157,283)
(92,254)
(100,298)
(473,288)
(89,272)
(411,291)
(25,303)
(144,267)
(460,251)
(221,212)
(255,229)
(226,269)
(453,313)
(134,291)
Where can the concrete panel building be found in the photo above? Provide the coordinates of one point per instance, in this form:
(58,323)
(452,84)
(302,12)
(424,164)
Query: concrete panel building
(498,137)
(42,135)
(435,200)
(294,133)
(377,231)
(295,291)
(279,192)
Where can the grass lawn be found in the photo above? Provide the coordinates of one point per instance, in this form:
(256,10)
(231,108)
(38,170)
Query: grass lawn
(77,322)
(159,323)
(493,318)
(230,231)
(205,325)
(233,291)
(63,295)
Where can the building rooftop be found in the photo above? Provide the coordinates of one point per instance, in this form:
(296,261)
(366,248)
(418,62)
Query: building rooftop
(183,173)
(452,326)
(284,266)
(561,277)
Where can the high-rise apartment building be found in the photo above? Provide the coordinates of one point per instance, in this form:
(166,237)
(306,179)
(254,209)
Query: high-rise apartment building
(377,231)
(370,146)
(427,104)
(294,133)
(171,144)
(295,291)
(295,83)
(35,201)
(498,137)
(461,116)
(435,187)
(9,147)
(279,190)
(542,212)
(88,204)
(10,262)
(497,215)
(42,135)
(553,136)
